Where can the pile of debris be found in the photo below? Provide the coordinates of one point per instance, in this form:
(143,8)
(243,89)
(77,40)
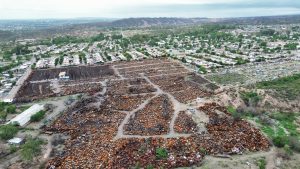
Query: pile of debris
(81,88)
(125,102)
(185,124)
(146,140)
(92,132)
(154,119)
(183,90)
(34,91)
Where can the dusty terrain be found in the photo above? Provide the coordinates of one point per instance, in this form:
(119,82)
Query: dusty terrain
(149,113)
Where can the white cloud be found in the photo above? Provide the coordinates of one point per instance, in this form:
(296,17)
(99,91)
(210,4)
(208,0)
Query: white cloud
(103,8)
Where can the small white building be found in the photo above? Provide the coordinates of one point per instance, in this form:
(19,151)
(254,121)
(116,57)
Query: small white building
(23,118)
(62,76)
(15,141)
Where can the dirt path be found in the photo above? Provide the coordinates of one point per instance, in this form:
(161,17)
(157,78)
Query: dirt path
(116,70)
(212,161)
(120,133)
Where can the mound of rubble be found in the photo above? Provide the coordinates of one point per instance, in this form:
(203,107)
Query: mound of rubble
(92,143)
(154,119)
(185,124)
(137,116)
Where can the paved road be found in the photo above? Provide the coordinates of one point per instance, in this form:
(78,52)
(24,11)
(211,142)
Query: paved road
(12,93)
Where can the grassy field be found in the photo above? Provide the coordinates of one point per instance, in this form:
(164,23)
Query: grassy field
(228,78)
(288,87)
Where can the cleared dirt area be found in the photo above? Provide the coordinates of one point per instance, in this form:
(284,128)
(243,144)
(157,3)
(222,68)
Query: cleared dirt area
(140,114)
(44,83)
(75,73)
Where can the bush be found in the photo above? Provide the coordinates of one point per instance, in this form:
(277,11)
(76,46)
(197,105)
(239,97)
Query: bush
(280,141)
(161,153)
(3,115)
(8,131)
(12,149)
(294,143)
(262,163)
(31,148)
(250,98)
(149,167)
(235,114)
(38,116)
(11,109)
(288,150)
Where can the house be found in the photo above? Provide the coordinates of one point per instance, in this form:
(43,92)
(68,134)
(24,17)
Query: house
(62,76)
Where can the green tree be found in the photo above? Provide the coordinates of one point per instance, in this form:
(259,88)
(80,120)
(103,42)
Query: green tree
(202,69)
(11,109)
(56,61)
(8,131)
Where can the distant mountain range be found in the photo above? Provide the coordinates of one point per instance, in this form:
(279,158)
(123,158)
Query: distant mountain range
(12,29)
(148,22)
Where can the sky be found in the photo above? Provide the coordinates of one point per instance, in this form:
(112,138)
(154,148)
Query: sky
(61,9)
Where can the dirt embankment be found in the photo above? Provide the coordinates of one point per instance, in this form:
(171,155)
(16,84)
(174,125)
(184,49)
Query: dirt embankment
(268,101)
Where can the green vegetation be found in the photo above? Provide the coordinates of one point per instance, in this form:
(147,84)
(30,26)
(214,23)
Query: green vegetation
(161,153)
(288,87)
(38,116)
(33,66)
(280,141)
(56,61)
(67,39)
(250,98)
(262,163)
(8,131)
(61,59)
(280,127)
(241,61)
(128,56)
(149,167)
(13,148)
(99,37)
(10,66)
(228,78)
(291,46)
(11,109)
(203,150)
(6,108)
(31,148)
(109,58)
(202,69)
(267,32)
(235,114)
(82,57)
(283,132)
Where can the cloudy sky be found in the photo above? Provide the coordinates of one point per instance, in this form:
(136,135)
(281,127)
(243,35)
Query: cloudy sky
(43,9)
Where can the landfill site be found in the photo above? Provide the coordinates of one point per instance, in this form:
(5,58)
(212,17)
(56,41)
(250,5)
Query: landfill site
(148,113)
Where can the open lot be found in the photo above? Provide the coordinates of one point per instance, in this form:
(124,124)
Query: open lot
(44,83)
